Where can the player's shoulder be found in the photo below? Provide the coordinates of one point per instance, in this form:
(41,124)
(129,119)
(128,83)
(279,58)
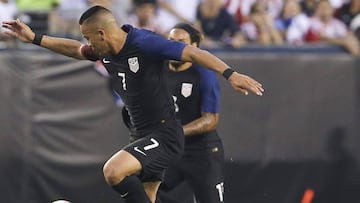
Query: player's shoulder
(137,34)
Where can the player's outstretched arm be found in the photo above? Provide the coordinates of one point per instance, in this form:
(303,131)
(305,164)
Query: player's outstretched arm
(239,82)
(21,31)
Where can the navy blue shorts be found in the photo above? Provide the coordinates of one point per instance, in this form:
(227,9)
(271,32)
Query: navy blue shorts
(158,149)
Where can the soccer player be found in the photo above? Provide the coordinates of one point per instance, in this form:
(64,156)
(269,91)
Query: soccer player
(134,59)
(196,93)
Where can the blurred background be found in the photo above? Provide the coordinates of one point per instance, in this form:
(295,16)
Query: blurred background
(299,143)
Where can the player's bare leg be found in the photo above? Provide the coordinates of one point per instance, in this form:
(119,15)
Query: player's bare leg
(120,172)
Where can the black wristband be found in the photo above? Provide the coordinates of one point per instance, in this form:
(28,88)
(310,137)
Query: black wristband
(227,73)
(37,39)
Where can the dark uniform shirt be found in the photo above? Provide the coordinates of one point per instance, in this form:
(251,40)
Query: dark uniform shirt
(136,74)
(194,91)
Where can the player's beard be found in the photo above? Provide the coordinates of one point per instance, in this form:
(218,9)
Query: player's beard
(176,64)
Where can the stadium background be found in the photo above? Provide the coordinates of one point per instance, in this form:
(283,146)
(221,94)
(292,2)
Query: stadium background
(59,124)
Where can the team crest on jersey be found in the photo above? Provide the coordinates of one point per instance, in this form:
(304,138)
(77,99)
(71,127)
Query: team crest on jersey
(186,89)
(134,64)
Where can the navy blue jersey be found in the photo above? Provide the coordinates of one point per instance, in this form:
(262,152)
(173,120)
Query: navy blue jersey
(194,91)
(136,74)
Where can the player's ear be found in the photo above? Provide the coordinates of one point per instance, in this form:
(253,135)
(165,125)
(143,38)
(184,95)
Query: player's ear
(195,44)
(101,34)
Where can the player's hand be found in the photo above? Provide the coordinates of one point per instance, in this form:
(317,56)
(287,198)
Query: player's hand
(19,30)
(244,83)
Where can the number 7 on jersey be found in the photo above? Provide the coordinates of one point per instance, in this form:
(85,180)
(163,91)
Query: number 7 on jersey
(122,75)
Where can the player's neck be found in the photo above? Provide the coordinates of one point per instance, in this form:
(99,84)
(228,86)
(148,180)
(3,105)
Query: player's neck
(119,41)
(183,67)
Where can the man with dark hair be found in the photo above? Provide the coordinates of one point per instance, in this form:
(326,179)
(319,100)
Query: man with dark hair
(134,59)
(196,94)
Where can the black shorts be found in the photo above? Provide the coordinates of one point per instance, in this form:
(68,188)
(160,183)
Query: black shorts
(202,169)
(158,149)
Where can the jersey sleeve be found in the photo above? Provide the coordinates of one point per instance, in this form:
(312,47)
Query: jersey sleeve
(209,91)
(157,46)
(88,53)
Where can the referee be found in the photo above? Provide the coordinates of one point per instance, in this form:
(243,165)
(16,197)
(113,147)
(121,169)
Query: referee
(196,92)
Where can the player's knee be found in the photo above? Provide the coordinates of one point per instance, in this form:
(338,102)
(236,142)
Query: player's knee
(112,176)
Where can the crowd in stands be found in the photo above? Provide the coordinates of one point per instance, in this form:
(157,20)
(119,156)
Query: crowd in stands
(224,23)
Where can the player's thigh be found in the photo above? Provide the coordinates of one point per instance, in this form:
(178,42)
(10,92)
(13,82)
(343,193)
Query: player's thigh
(206,176)
(208,193)
(152,156)
(157,151)
(173,178)
(208,183)
(121,164)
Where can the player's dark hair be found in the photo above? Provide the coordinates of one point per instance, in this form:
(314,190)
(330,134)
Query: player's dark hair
(91,12)
(195,35)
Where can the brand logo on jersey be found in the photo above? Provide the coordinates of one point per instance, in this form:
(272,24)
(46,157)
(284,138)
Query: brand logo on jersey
(186,89)
(105,60)
(175,104)
(134,64)
(138,150)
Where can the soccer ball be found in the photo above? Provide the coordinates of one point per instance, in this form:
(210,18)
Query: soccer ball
(60,201)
